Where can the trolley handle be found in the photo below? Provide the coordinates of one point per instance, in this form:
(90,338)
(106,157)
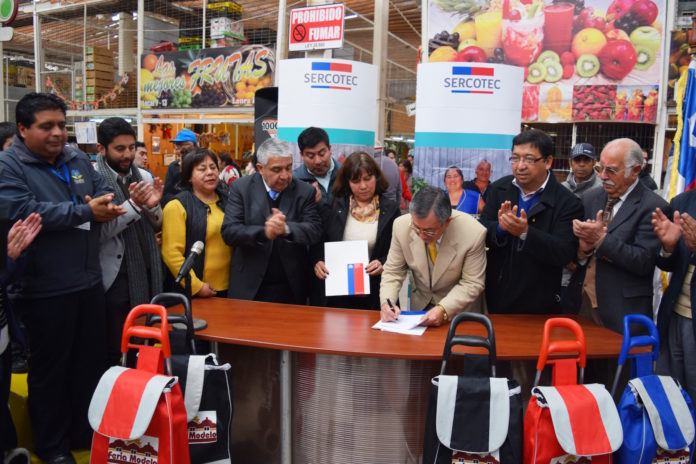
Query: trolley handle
(171,299)
(562,346)
(453,339)
(652,339)
(160,334)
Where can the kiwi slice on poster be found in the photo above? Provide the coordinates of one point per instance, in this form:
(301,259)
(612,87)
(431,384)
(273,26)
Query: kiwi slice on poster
(646,58)
(587,65)
(548,55)
(537,73)
(554,71)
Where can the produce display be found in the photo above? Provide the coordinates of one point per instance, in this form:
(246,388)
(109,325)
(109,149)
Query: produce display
(210,78)
(582,46)
(679,59)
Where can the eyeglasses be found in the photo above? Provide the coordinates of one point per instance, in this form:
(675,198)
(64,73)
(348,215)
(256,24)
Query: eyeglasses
(425,232)
(610,171)
(525,160)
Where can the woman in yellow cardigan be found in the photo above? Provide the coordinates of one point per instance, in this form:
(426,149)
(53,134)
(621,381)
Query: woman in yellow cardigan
(196,214)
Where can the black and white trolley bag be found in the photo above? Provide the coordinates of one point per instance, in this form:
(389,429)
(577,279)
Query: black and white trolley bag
(473,418)
(206,387)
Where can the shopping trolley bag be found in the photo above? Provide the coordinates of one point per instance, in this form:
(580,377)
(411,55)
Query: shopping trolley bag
(206,388)
(656,413)
(138,415)
(470,418)
(569,422)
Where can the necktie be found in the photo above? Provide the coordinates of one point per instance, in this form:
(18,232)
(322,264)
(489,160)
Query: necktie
(273,194)
(432,252)
(589,285)
(608,211)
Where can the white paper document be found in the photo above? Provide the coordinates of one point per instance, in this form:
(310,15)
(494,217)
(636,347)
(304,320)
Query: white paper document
(346,262)
(407,323)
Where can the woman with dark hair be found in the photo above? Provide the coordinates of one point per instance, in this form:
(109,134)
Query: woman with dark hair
(359,211)
(196,214)
(406,171)
(461,199)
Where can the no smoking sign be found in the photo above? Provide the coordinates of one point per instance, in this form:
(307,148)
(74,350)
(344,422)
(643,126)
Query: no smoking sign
(317,27)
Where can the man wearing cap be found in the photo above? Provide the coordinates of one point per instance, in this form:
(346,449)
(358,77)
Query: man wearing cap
(184,141)
(582,177)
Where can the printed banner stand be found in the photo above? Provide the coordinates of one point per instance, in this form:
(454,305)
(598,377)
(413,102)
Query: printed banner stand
(467,112)
(340,96)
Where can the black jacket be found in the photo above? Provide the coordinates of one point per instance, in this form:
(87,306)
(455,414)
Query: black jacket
(677,264)
(626,258)
(243,228)
(334,222)
(525,277)
(63,258)
(171,182)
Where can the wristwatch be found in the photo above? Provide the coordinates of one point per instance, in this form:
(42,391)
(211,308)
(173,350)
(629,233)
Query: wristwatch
(445,317)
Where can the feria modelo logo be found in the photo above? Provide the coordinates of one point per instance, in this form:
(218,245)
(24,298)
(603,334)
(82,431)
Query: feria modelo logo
(332,76)
(141,451)
(203,428)
(472,79)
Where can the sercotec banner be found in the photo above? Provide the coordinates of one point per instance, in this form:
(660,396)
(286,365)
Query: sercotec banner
(340,96)
(467,112)
(583,60)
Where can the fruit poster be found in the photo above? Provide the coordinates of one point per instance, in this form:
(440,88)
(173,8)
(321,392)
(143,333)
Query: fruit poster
(209,78)
(340,96)
(581,58)
(467,113)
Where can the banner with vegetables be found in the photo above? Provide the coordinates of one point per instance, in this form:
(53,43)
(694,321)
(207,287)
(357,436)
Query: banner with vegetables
(583,60)
(209,78)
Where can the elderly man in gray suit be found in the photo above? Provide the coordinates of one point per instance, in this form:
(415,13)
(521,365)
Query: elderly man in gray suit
(617,241)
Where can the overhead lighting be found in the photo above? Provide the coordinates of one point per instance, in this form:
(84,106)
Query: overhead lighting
(351,16)
(116,17)
(410,140)
(397,138)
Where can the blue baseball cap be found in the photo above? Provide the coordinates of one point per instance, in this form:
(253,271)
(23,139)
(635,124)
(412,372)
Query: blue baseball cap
(185,135)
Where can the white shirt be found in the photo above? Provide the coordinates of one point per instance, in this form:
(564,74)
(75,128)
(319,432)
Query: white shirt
(623,197)
(528,196)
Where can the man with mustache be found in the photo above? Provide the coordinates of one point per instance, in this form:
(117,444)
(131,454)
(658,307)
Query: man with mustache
(617,241)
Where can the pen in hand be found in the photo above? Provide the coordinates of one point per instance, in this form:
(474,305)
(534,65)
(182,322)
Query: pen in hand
(391,306)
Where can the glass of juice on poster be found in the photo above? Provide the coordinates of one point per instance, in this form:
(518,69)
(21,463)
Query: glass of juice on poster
(558,27)
(523,33)
(488,30)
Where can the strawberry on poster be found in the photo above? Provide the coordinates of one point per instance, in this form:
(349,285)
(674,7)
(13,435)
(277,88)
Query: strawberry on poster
(579,56)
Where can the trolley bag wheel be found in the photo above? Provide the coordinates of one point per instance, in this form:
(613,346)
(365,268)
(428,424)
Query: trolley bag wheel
(207,389)
(656,413)
(568,422)
(469,418)
(138,415)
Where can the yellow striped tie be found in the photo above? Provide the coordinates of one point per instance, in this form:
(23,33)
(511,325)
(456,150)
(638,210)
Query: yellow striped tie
(432,252)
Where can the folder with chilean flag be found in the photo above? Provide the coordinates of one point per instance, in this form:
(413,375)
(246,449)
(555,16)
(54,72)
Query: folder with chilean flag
(346,262)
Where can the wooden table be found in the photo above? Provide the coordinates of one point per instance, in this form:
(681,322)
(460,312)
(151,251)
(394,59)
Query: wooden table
(348,332)
(341,339)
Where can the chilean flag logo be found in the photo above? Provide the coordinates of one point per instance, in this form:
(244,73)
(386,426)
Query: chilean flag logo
(332,67)
(356,279)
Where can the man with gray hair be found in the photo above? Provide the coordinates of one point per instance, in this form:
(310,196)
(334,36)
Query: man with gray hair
(445,251)
(270,220)
(617,241)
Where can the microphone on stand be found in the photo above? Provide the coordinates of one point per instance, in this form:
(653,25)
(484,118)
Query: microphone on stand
(196,250)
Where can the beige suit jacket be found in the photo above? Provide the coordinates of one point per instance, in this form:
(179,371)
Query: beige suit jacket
(460,269)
